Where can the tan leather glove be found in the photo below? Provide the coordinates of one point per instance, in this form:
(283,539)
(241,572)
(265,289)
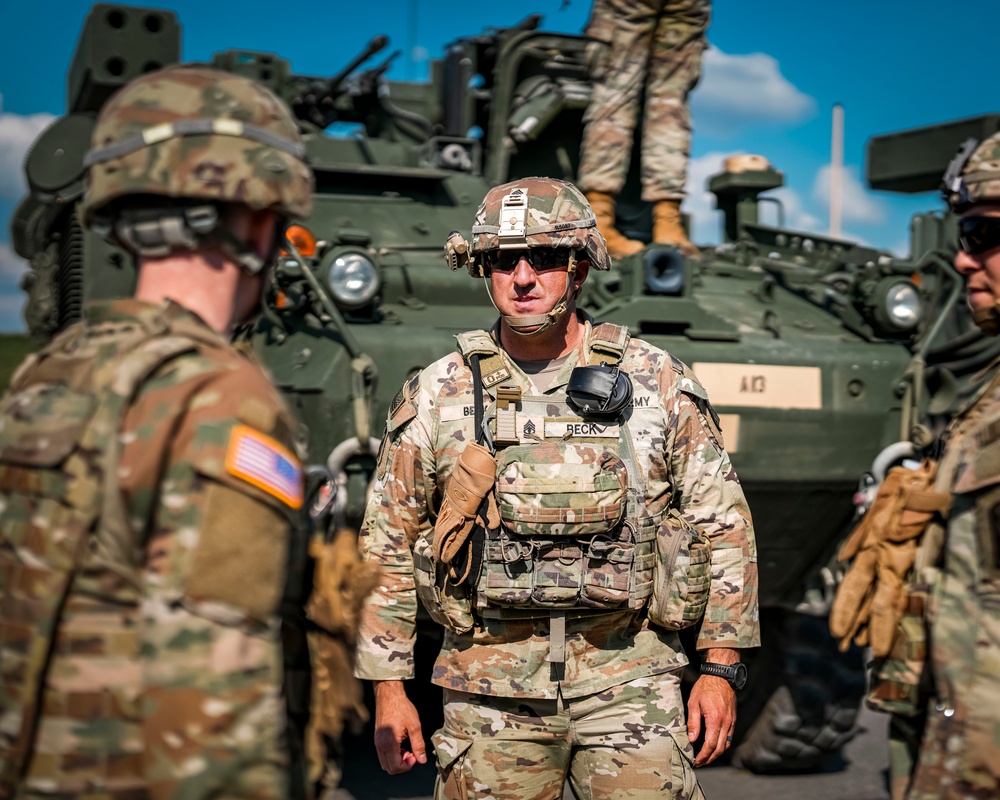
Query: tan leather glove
(341,582)
(882,548)
(471,483)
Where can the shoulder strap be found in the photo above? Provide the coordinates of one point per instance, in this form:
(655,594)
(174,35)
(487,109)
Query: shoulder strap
(608,343)
(491,363)
(115,541)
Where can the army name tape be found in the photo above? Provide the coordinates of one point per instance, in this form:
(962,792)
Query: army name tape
(192,127)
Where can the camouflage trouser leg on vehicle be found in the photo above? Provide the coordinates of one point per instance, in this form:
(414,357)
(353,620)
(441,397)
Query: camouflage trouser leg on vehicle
(658,45)
(627,742)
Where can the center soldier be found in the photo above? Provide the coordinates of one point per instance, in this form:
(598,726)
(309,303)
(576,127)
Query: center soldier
(558,495)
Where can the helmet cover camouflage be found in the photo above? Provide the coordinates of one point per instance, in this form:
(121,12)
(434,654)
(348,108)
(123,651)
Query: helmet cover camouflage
(980,177)
(555,214)
(199,133)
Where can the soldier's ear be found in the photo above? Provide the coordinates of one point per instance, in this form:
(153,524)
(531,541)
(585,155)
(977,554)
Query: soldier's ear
(582,271)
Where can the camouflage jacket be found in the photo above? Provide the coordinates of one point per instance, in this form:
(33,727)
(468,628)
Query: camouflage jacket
(165,678)
(684,466)
(964,609)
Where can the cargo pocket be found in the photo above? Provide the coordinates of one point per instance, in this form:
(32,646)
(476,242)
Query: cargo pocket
(450,751)
(684,782)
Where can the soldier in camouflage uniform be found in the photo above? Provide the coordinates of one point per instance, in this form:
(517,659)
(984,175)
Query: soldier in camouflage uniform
(601,533)
(959,756)
(648,48)
(148,472)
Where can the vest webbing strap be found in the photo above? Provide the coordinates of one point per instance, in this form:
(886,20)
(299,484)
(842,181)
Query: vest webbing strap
(119,382)
(491,364)
(608,343)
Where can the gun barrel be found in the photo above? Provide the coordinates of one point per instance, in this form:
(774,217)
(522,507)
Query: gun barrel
(376,44)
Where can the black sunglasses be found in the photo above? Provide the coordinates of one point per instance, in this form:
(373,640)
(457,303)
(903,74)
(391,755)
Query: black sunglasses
(540,258)
(978,235)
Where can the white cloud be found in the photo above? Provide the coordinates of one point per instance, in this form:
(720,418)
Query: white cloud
(857,205)
(797,217)
(12,266)
(737,91)
(17,132)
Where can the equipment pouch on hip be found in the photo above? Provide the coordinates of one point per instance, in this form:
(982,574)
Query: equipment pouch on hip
(900,682)
(447,602)
(682,576)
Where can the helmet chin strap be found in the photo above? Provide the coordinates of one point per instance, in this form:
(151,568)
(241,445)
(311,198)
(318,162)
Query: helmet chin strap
(538,323)
(988,319)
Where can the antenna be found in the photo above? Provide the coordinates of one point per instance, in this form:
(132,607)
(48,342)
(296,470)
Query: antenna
(836,169)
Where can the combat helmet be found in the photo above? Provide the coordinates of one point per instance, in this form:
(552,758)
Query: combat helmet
(189,138)
(973,176)
(527,213)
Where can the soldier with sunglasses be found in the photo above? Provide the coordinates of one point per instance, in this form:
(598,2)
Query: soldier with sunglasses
(959,754)
(557,495)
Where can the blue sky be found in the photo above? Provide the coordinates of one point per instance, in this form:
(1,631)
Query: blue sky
(770,78)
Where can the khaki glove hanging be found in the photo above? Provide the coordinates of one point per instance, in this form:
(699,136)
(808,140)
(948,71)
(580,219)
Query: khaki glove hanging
(882,549)
(469,489)
(341,582)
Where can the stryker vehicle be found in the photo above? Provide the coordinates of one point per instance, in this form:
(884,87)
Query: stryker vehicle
(813,349)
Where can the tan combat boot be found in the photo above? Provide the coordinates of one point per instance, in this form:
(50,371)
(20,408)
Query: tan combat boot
(668,227)
(604,209)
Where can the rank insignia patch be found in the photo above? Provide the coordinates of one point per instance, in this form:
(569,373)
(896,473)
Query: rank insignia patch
(264,463)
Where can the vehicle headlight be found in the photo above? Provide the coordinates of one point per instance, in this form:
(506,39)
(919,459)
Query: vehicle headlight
(352,278)
(897,306)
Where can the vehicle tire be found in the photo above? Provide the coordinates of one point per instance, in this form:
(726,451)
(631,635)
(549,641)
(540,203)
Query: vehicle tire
(807,695)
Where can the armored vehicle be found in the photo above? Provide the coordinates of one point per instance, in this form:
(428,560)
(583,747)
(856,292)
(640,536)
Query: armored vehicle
(811,347)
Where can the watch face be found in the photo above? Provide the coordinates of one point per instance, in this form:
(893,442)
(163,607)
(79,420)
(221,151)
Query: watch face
(739,676)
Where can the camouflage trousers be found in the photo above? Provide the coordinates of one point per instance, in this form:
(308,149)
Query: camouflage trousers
(957,761)
(651,46)
(629,741)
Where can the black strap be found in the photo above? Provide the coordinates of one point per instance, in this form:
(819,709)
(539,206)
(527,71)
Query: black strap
(477,396)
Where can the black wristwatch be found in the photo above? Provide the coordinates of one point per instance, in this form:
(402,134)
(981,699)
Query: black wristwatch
(736,673)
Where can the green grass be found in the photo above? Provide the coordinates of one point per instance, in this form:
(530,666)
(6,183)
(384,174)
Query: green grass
(13,349)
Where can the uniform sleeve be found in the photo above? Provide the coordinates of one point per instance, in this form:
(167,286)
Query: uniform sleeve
(397,514)
(217,540)
(709,496)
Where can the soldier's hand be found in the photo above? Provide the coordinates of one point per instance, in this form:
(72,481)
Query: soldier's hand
(399,739)
(712,704)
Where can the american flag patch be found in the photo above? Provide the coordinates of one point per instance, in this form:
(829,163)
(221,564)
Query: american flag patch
(261,461)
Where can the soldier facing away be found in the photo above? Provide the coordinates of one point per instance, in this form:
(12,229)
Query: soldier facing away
(149,479)
(959,755)
(648,48)
(558,496)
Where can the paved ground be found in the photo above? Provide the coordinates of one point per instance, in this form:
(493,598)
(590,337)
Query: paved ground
(862,776)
